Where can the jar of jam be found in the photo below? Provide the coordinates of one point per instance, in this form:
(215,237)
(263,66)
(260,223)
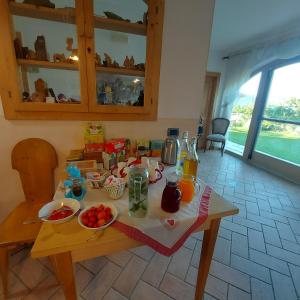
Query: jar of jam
(171,196)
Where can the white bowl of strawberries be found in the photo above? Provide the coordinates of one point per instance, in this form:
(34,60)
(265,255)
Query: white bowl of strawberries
(98,217)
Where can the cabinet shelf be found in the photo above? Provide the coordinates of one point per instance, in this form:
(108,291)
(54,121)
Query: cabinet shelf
(47,64)
(74,66)
(121,71)
(67,15)
(118,25)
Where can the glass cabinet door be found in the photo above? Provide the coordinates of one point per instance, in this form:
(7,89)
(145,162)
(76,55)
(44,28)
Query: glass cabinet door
(117,41)
(49,44)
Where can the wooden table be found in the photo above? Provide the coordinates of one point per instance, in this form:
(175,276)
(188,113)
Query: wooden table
(68,243)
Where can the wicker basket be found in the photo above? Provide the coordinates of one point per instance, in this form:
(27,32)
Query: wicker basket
(115,191)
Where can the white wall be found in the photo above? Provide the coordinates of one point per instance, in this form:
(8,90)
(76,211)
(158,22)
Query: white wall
(184,57)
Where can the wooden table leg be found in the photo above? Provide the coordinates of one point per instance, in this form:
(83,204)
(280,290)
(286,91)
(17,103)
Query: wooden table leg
(63,268)
(4,269)
(208,246)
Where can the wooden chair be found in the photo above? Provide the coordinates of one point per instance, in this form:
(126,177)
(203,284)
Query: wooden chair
(35,160)
(219,130)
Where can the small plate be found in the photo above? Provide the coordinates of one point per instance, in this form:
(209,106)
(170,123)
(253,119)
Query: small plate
(56,204)
(114,212)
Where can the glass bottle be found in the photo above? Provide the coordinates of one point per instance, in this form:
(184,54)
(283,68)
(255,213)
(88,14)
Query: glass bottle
(182,153)
(170,201)
(138,191)
(190,165)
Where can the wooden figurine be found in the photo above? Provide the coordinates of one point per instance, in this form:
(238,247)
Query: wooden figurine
(111,15)
(44,3)
(74,52)
(57,57)
(36,97)
(115,64)
(97,59)
(18,48)
(145,18)
(40,48)
(107,60)
(140,67)
(30,54)
(126,63)
(131,63)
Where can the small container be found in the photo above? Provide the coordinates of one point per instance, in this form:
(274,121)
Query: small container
(171,196)
(138,191)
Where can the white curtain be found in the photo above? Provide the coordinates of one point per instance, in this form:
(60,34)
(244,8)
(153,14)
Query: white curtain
(240,67)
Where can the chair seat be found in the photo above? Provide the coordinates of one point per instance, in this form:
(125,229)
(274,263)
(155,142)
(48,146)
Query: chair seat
(13,231)
(216,137)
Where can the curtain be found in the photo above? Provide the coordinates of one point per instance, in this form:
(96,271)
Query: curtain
(240,68)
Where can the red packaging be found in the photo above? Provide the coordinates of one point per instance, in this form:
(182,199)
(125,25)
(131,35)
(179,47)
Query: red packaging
(115,145)
(94,147)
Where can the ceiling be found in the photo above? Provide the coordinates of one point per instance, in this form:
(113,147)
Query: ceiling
(239,24)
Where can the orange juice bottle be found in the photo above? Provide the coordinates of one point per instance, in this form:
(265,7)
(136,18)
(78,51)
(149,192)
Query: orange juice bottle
(187,188)
(190,165)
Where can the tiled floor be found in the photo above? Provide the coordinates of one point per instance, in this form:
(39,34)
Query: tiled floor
(257,255)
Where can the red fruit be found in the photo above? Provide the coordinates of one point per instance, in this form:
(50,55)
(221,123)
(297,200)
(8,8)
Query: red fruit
(107,210)
(85,220)
(90,213)
(90,224)
(101,215)
(100,223)
(101,206)
(93,219)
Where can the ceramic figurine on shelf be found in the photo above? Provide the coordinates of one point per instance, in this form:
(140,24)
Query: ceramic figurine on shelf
(62,98)
(98,59)
(26,97)
(44,3)
(107,60)
(18,48)
(74,52)
(41,91)
(40,48)
(59,57)
(108,92)
(131,63)
(126,63)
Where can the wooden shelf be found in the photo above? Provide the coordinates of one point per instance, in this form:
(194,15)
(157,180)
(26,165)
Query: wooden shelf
(118,25)
(65,15)
(121,71)
(47,64)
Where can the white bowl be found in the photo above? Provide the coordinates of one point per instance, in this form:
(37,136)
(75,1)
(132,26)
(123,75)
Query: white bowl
(114,212)
(56,204)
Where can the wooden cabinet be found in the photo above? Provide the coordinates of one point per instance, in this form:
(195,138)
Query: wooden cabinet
(98,92)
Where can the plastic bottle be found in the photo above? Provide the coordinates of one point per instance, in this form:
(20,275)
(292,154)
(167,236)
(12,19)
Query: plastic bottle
(182,153)
(190,165)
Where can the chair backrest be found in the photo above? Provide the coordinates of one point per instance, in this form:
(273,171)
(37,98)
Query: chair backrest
(220,126)
(35,160)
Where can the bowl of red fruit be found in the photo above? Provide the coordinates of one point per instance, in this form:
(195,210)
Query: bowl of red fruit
(59,211)
(98,217)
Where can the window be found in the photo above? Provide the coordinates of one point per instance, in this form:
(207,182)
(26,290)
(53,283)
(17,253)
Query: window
(279,134)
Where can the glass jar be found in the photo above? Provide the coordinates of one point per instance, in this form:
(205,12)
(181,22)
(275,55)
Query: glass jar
(76,187)
(171,196)
(138,191)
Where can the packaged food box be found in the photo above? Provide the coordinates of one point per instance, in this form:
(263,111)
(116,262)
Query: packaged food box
(74,155)
(115,145)
(109,160)
(95,155)
(94,137)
